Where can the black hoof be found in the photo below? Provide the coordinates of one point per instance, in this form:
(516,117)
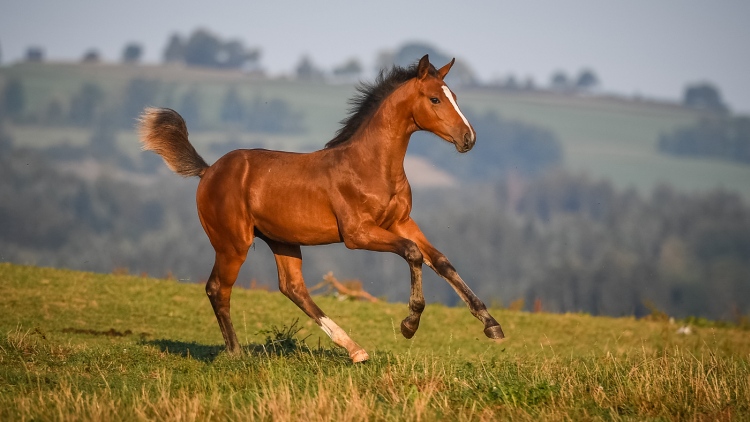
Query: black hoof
(494,332)
(408,329)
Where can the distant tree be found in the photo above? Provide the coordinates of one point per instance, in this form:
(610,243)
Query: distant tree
(202,49)
(529,84)
(384,60)
(349,70)
(85,103)
(307,71)
(559,81)
(91,56)
(409,53)
(461,74)
(231,55)
(175,50)
(587,80)
(511,83)
(234,55)
(34,54)
(14,98)
(132,53)
(205,49)
(704,96)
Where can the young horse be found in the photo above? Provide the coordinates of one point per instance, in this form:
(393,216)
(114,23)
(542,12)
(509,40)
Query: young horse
(353,191)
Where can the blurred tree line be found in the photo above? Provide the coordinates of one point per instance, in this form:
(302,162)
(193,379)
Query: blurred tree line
(89,107)
(573,243)
(722,137)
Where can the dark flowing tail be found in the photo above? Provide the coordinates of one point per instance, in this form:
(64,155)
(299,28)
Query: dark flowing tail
(163,131)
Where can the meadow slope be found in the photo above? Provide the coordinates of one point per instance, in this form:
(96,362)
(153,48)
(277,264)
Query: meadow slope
(84,346)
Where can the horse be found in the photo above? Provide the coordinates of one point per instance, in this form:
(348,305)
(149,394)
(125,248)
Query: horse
(354,191)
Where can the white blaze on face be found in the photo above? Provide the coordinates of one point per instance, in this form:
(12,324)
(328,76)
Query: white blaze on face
(449,94)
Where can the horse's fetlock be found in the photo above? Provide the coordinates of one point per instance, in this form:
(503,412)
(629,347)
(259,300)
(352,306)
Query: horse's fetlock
(417,306)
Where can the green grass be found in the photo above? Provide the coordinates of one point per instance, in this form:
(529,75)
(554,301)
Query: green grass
(83,346)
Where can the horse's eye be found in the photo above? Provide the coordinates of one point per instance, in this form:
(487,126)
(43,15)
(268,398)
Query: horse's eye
(435,100)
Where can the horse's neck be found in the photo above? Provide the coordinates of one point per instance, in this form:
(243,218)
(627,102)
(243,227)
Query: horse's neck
(384,140)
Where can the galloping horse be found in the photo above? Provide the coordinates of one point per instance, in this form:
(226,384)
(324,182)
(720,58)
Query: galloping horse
(353,191)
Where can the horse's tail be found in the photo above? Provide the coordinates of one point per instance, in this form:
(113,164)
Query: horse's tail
(163,131)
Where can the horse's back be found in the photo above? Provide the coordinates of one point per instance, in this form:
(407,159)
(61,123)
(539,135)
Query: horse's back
(285,195)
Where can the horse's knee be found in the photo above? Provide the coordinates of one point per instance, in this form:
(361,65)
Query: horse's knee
(412,254)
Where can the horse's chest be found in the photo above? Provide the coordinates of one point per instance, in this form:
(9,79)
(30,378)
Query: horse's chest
(384,204)
(392,208)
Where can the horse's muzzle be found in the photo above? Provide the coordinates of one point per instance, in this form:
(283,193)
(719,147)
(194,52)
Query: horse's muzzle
(466,144)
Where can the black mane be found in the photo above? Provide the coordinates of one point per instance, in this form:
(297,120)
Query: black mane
(370,96)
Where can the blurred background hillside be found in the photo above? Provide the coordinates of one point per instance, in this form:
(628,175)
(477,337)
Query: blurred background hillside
(611,173)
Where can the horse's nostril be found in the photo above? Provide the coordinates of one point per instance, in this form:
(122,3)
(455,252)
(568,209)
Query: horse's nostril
(468,141)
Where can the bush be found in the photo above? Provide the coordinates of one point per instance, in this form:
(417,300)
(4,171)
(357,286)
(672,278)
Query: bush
(722,138)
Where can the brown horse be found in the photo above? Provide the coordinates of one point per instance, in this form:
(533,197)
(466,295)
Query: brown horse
(353,191)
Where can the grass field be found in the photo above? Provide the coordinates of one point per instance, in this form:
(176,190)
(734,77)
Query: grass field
(83,346)
(605,137)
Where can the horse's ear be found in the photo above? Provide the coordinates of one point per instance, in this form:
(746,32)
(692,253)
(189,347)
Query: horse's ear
(423,68)
(445,69)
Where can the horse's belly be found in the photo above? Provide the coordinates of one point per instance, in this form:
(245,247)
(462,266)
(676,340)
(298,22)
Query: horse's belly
(297,222)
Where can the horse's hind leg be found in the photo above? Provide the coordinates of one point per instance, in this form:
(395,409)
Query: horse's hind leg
(219,291)
(291,283)
(223,216)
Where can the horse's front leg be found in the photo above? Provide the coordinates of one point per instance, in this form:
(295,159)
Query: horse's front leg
(373,238)
(440,264)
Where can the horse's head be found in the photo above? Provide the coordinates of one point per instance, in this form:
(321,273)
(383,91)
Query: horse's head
(436,109)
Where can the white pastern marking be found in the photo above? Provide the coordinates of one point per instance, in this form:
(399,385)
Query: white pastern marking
(449,94)
(330,328)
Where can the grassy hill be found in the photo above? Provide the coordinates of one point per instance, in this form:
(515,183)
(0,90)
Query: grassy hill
(90,346)
(604,137)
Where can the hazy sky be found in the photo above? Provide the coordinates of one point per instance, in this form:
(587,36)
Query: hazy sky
(648,47)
